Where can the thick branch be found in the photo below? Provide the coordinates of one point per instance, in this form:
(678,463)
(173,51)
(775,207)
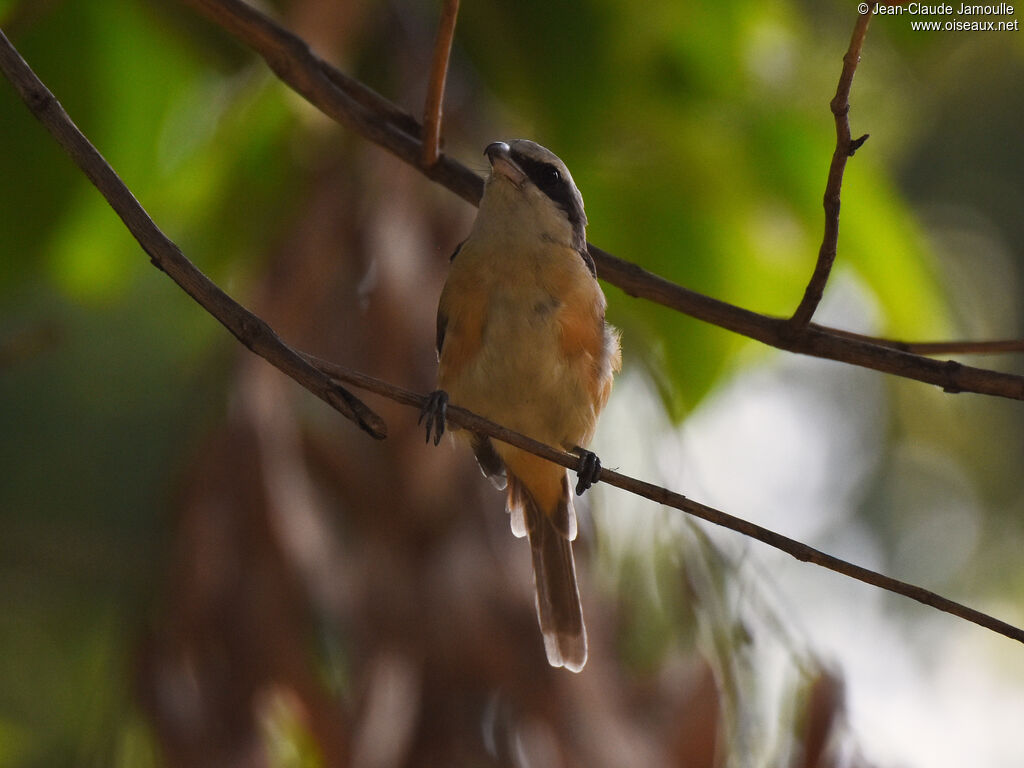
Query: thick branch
(845,147)
(438,74)
(249,329)
(800,551)
(378,120)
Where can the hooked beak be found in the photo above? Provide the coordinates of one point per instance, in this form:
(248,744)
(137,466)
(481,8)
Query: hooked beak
(499,153)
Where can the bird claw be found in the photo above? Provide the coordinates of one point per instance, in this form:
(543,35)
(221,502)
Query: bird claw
(434,413)
(589,470)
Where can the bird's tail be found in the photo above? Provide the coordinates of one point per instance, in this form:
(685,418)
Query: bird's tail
(554,572)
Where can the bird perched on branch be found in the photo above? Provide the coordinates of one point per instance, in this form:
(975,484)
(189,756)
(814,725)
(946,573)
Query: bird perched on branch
(522,340)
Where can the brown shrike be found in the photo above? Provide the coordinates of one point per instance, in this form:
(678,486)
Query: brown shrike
(522,340)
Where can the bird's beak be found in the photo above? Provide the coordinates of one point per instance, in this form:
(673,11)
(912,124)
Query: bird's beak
(500,156)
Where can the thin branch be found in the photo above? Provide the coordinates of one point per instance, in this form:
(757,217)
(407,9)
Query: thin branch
(845,147)
(474,423)
(376,119)
(249,329)
(438,74)
(957,347)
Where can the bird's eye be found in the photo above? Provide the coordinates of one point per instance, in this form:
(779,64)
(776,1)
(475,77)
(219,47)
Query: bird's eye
(552,176)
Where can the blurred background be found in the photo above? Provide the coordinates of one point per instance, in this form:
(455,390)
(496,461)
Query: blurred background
(203,565)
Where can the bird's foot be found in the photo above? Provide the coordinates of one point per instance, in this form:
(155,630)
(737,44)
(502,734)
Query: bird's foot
(434,413)
(589,470)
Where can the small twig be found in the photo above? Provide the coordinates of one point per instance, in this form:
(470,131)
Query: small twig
(961,347)
(956,347)
(378,120)
(251,330)
(438,74)
(340,97)
(845,148)
(474,423)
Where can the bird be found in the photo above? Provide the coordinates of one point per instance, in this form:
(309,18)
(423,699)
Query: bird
(522,340)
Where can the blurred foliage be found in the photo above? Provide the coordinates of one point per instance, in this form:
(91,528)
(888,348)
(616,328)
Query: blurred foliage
(700,135)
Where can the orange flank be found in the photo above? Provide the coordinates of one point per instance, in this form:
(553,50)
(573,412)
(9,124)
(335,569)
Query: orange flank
(465,321)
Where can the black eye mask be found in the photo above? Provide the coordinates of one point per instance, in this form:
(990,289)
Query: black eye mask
(550,181)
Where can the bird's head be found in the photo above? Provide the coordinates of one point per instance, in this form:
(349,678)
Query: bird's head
(530,189)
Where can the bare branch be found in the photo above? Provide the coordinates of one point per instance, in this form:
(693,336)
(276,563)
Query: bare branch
(957,347)
(845,147)
(249,329)
(471,421)
(438,74)
(376,119)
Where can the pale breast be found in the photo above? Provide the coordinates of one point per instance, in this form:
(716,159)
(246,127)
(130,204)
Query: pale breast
(521,376)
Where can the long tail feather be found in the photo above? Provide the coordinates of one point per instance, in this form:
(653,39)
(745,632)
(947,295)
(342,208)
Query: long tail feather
(558,599)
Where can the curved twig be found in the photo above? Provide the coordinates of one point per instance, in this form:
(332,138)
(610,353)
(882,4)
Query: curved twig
(435,91)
